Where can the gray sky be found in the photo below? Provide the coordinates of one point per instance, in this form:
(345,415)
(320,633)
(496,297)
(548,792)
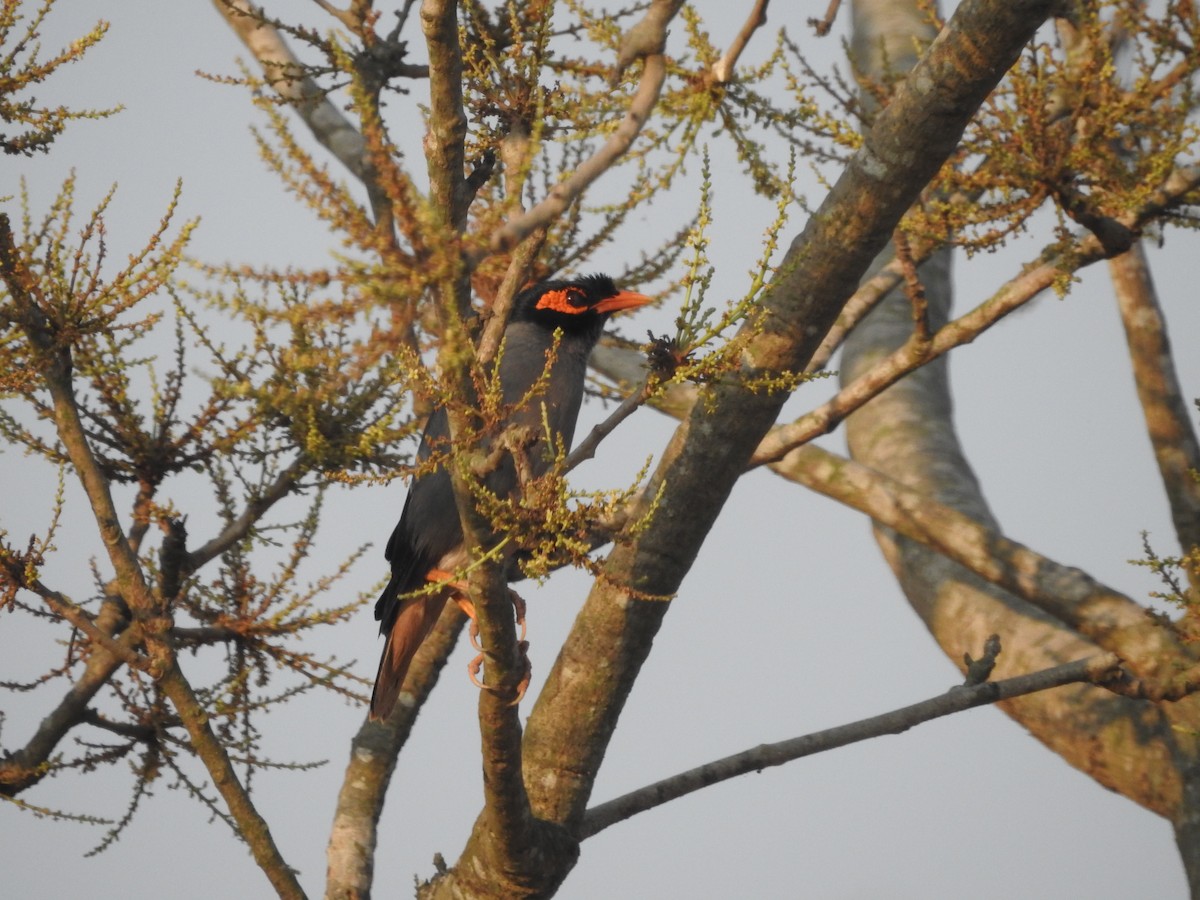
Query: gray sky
(789,623)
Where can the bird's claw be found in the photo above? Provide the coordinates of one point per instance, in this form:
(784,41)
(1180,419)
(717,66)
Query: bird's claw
(476,664)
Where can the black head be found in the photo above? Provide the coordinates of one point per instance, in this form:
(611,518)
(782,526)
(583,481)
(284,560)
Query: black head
(580,306)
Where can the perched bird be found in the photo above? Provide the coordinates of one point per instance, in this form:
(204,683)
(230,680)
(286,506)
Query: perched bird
(427,544)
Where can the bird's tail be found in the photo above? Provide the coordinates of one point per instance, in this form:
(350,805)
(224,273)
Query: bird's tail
(414,621)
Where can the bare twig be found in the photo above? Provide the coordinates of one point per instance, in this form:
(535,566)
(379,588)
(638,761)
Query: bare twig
(1092,670)
(586,448)
(722,70)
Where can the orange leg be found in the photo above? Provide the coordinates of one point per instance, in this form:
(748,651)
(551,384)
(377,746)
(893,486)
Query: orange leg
(464,603)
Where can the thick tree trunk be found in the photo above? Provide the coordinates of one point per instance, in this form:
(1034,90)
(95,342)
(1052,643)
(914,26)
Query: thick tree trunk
(1141,749)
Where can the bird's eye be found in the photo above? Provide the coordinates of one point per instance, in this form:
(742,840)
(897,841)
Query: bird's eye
(568,300)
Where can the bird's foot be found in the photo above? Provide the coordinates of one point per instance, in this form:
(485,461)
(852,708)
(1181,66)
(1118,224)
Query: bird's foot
(464,603)
(476,664)
(468,609)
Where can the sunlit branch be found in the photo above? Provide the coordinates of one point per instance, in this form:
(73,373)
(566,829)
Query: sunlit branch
(1108,618)
(1166,411)
(722,71)
(373,753)
(79,618)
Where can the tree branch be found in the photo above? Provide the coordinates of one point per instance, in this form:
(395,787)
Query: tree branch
(919,350)
(648,44)
(908,433)
(285,73)
(722,70)
(861,302)
(1105,616)
(237,529)
(444,153)
(350,854)
(1092,670)
(577,711)
(586,448)
(1171,434)
(53,355)
(23,768)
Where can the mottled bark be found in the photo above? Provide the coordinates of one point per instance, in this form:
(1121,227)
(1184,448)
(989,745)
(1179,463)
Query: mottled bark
(578,710)
(1168,418)
(1142,749)
(350,854)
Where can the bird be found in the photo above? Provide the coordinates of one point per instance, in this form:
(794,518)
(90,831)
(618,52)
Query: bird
(555,323)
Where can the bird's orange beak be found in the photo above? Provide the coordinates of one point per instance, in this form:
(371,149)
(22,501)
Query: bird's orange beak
(622,300)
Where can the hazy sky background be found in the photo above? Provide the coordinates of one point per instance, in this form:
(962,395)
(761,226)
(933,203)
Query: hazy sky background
(789,623)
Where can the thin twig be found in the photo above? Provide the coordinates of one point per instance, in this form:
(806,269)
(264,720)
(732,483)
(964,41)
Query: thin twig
(586,448)
(912,285)
(865,299)
(281,487)
(1093,670)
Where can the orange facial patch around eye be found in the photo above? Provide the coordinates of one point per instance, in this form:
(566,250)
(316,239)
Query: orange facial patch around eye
(562,301)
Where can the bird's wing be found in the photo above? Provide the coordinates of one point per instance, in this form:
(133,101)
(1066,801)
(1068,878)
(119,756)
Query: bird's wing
(428,528)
